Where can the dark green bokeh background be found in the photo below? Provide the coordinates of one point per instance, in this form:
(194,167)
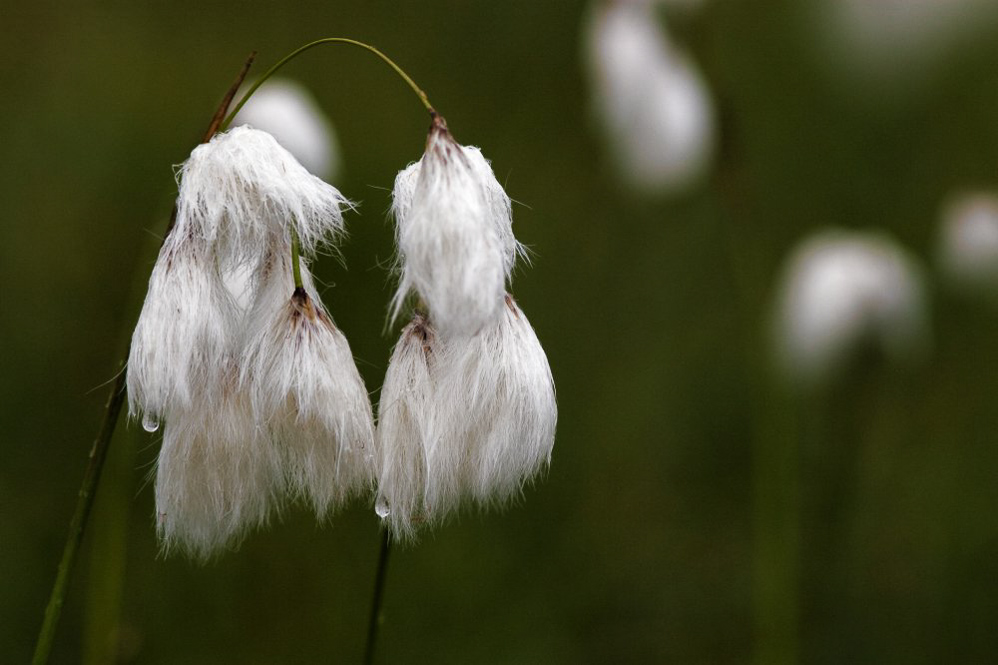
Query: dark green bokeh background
(638,545)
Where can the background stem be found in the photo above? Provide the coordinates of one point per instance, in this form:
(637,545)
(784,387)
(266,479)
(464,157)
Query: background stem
(374,623)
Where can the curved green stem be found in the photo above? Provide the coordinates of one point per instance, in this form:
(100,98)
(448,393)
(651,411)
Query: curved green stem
(328,40)
(296,258)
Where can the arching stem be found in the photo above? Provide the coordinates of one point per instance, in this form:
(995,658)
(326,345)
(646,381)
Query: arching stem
(328,40)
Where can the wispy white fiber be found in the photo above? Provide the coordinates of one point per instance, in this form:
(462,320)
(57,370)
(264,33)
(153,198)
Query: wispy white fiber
(651,101)
(454,233)
(840,289)
(287,110)
(467,418)
(306,391)
(216,477)
(184,336)
(967,250)
(406,429)
(242,191)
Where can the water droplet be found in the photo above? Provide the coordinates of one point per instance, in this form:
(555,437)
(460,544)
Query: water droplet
(149,423)
(381,507)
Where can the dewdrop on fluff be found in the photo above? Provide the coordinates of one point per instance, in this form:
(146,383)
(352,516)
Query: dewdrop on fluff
(467,410)
(259,393)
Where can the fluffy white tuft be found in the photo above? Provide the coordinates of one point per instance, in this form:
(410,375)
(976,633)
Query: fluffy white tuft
(464,418)
(406,429)
(289,112)
(651,101)
(216,478)
(306,391)
(183,339)
(454,233)
(967,250)
(242,191)
(840,289)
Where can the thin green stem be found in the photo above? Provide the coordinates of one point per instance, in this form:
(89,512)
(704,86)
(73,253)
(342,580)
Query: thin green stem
(328,40)
(296,258)
(98,454)
(374,623)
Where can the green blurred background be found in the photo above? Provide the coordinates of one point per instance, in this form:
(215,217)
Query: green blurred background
(643,542)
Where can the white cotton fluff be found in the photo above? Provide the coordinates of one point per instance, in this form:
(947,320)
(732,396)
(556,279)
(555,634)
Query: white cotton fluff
(454,234)
(288,111)
(967,249)
(306,391)
(242,191)
(840,288)
(216,477)
(469,418)
(650,100)
(406,428)
(184,337)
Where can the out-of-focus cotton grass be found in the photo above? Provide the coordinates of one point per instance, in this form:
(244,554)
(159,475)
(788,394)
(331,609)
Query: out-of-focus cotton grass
(967,247)
(650,100)
(842,289)
(287,110)
(881,46)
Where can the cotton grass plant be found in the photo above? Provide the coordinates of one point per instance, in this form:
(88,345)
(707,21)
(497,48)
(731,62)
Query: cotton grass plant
(260,401)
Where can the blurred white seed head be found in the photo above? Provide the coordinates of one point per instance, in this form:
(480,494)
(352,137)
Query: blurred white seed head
(242,191)
(306,391)
(894,43)
(184,336)
(967,250)
(651,101)
(288,111)
(216,478)
(467,418)
(454,234)
(840,289)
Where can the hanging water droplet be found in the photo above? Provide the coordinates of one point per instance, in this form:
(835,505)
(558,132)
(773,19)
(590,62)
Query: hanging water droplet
(381,507)
(149,422)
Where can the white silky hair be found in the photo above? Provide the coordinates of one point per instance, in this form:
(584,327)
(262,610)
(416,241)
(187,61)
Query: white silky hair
(454,235)
(466,418)
(288,111)
(967,245)
(840,288)
(216,477)
(649,98)
(242,191)
(184,335)
(406,429)
(305,390)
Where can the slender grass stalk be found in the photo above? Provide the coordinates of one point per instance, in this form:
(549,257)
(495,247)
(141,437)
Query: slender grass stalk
(328,40)
(98,452)
(374,622)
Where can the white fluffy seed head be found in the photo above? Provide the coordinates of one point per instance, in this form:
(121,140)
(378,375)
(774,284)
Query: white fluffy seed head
(184,336)
(649,98)
(242,191)
(454,234)
(967,249)
(840,289)
(288,111)
(467,418)
(217,478)
(406,429)
(306,392)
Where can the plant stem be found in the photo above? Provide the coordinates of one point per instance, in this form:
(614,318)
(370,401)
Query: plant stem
(379,586)
(296,258)
(328,40)
(98,453)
